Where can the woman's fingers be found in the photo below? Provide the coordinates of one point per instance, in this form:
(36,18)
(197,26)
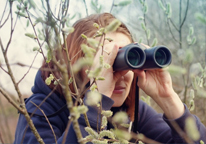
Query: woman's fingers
(146,46)
(112,55)
(141,77)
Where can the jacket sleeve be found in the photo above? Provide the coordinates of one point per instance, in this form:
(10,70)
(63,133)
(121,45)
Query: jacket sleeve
(157,127)
(92,115)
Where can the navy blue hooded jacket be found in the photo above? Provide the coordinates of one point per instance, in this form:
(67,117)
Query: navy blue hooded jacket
(153,125)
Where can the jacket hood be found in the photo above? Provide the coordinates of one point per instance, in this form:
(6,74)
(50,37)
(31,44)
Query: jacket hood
(45,98)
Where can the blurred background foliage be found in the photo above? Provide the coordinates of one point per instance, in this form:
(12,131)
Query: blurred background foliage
(179,25)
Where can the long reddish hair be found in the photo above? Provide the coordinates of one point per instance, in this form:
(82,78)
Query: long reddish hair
(74,41)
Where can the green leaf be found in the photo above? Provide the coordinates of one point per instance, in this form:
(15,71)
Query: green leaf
(120,117)
(143,26)
(81,63)
(169,10)
(30,35)
(68,30)
(27,23)
(32,4)
(148,33)
(145,8)
(141,18)
(121,134)
(191,129)
(140,40)
(49,56)
(49,79)
(91,132)
(161,5)
(113,26)
(141,1)
(124,3)
(21,14)
(93,98)
(36,49)
(107,113)
(191,30)
(82,109)
(193,40)
(201,17)
(154,43)
(18,7)
(189,56)
(106,133)
(175,70)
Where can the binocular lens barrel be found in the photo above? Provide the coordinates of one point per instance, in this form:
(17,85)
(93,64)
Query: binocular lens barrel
(129,57)
(133,56)
(160,57)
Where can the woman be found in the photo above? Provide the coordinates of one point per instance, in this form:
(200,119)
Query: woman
(118,94)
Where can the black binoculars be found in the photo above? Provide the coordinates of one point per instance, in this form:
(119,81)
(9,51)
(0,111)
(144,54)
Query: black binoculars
(133,56)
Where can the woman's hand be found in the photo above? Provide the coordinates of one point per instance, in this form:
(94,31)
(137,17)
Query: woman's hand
(157,83)
(107,86)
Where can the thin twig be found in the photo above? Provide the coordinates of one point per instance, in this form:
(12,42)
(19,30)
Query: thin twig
(181,132)
(37,109)
(187,7)
(10,100)
(3,69)
(36,34)
(49,9)
(86,7)
(11,73)
(173,24)
(29,68)
(172,32)
(5,21)
(66,131)
(3,15)
(60,5)
(46,120)
(112,6)
(20,64)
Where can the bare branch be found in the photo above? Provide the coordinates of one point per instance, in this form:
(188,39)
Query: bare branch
(11,73)
(28,69)
(20,64)
(112,6)
(66,131)
(3,15)
(12,27)
(36,34)
(10,100)
(185,14)
(3,69)
(46,120)
(172,32)
(86,7)
(173,24)
(37,109)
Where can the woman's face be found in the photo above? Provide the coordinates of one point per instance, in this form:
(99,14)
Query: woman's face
(123,84)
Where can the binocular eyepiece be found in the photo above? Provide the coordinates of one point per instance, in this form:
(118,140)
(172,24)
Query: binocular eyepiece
(133,56)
